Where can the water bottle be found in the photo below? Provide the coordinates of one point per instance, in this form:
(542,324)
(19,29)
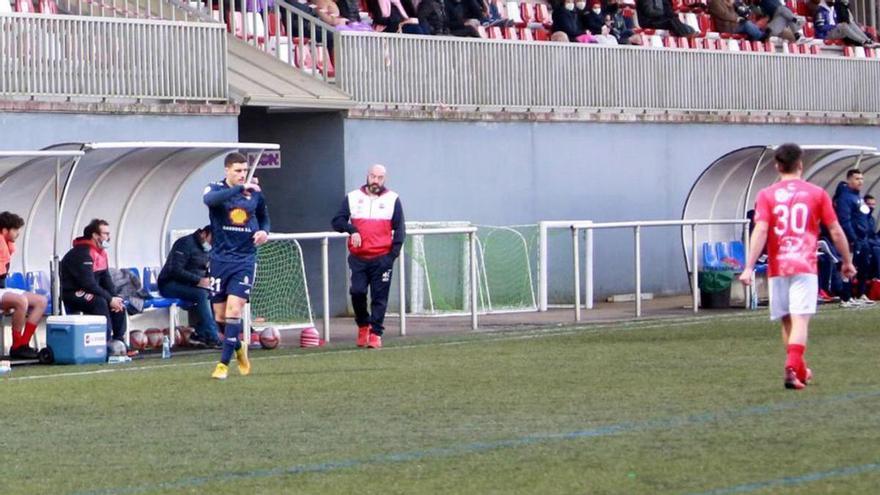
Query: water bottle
(5,367)
(166,347)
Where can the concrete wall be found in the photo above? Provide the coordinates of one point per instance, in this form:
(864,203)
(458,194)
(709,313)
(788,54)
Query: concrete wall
(516,173)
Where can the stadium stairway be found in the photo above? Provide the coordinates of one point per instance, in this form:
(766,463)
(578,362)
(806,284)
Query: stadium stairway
(255,78)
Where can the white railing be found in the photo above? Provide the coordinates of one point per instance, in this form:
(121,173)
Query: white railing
(577,226)
(390,69)
(93,57)
(325,237)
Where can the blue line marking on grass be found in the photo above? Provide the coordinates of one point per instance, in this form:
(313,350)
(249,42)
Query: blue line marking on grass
(790,481)
(681,421)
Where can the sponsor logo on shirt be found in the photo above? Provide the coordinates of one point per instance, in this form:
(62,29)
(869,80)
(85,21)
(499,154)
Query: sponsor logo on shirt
(238,216)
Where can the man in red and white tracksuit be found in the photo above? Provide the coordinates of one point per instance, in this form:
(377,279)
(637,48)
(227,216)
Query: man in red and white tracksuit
(373,216)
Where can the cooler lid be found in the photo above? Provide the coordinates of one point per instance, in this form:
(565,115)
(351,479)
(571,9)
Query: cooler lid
(76,320)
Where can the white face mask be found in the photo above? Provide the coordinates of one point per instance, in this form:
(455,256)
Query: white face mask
(206,247)
(569,6)
(597,10)
(105,244)
(581,5)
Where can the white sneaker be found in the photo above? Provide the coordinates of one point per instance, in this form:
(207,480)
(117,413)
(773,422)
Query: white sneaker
(852,303)
(866,301)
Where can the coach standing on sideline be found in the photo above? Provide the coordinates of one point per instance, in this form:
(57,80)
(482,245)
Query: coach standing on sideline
(373,216)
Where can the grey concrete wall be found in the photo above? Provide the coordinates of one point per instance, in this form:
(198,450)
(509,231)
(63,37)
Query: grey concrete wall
(25,131)
(516,173)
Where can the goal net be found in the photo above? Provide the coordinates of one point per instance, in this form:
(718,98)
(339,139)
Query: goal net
(280,296)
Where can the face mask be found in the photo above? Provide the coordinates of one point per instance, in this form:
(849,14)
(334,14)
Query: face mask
(569,6)
(581,5)
(206,247)
(105,244)
(597,10)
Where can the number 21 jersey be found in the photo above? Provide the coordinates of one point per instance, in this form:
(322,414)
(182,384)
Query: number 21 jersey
(793,210)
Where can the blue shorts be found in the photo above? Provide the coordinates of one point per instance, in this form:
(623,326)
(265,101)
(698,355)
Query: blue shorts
(231,278)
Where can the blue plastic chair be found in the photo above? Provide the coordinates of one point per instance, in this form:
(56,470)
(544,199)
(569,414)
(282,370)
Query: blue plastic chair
(38,282)
(151,284)
(710,258)
(16,280)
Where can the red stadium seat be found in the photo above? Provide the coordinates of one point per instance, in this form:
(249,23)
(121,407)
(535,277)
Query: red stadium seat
(495,33)
(809,30)
(525,34)
(514,13)
(511,33)
(683,42)
(482,32)
(526,12)
(803,9)
(541,34)
(745,45)
(706,23)
(25,6)
(273,21)
(542,15)
(48,7)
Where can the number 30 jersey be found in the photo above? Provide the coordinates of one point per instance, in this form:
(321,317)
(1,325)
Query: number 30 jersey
(793,210)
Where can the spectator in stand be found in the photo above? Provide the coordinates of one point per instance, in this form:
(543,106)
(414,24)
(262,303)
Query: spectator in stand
(86,285)
(841,9)
(783,22)
(590,20)
(873,238)
(390,16)
(659,14)
(732,17)
(349,9)
(432,17)
(852,213)
(328,12)
(463,17)
(185,276)
(491,16)
(621,26)
(565,23)
(28,307)
(828,27)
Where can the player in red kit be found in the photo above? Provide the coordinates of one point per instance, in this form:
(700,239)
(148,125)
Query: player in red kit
(787,218)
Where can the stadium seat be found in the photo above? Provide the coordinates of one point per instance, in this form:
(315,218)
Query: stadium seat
(38,282)
(542,15)
(525,34)
(5,7)
(526,12)
(16,280)
(511,33)
(275,24)
(541,34)
(710,258)
(48,7)
(514,13)
(25,6)
(495,33)
(809,30)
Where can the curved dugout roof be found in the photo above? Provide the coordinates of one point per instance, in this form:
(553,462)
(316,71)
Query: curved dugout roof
(133,185)
(728,187)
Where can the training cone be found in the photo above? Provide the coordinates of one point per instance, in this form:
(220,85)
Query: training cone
(309,338)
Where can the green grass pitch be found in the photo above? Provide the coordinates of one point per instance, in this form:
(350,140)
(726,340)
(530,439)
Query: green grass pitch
(689,406)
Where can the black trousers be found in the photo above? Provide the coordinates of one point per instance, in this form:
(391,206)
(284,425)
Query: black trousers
(93,305)
(373,275)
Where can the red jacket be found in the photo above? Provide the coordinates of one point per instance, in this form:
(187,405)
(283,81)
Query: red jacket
(378,219)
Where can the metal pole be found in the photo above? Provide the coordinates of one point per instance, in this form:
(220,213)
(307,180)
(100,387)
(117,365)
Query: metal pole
(325,285)
(401,281)
(542,266)
(576,255)
(588,269)
(638,256)
(472,238)
(694,265)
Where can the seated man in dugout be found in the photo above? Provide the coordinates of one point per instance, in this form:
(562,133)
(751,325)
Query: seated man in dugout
(27,307)
(185,277)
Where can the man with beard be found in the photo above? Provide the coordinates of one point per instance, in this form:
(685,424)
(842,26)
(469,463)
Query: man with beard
(373,217)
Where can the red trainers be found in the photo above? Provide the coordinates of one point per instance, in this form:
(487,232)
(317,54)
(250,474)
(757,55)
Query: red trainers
(363,336)
(809,377)
(791,380)
(375,341)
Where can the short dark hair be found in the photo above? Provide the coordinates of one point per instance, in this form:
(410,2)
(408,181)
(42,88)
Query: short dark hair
(787,156)
(868,196)
(851,172)
(234,157)
(9,220)
(205,230)
(94,227)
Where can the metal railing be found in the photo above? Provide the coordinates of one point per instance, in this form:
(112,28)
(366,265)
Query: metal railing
(281,30)
(394,69)
(94,57)
(325,237)
(587,226)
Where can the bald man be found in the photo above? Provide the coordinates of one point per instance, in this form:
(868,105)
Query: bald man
(373,217)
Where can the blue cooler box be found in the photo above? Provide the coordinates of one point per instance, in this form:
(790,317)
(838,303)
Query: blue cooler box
(77,339)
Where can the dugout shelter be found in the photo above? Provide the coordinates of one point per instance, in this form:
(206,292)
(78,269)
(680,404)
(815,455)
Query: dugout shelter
(728,187)
(135,186)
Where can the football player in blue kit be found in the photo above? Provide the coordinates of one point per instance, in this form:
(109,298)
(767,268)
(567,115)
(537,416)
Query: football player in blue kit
(240,223)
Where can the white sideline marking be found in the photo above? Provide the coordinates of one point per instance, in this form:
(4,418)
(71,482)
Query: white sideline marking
(526,335)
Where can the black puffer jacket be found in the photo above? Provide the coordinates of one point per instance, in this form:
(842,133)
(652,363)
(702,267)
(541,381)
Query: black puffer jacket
(187,262)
